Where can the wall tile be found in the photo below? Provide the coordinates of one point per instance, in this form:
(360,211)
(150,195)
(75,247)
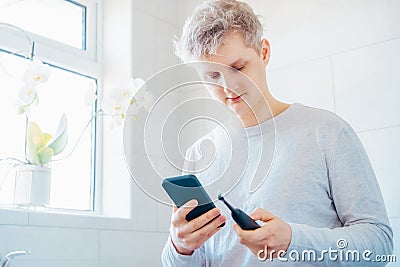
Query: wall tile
(164,53)
(8,216)
(116,54)
(143,201)
(164,10)
(143,44)
(383,147)
(54,263)
(367,83)
(163,217)
(80,220)
(309,83)
(129,245)
(300,31)
(186,9)
(132,263)
(395,222)
(116,187)
(51,243)
(254,5)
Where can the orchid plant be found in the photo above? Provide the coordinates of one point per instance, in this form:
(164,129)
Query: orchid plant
(41,147)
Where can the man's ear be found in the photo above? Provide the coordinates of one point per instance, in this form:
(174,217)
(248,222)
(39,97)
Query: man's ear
(265,51)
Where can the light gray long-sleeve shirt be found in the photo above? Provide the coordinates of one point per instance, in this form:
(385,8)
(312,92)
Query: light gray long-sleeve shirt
(306,166)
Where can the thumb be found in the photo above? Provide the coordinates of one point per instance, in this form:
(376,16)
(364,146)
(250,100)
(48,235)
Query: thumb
(261,214)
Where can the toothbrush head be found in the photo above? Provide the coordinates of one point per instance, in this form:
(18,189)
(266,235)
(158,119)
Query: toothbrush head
(220,197)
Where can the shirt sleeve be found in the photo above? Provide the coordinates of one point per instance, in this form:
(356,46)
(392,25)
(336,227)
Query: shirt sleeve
(359,205)
(170,257)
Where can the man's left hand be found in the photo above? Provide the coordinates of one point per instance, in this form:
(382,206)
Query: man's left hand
(275,234)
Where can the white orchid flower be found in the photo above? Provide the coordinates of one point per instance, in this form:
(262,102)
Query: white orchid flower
(27,94)
(26,97)
(130,96)
(143,97)
(37,73)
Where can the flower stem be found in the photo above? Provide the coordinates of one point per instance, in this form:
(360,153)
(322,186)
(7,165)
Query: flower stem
(98,113)
(26,137)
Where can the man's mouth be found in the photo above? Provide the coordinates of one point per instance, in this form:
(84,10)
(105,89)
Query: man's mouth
(234,99)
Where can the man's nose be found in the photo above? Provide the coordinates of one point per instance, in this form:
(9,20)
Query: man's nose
(229,84)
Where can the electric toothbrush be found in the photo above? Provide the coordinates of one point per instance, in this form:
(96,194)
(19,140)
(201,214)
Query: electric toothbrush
(240,217)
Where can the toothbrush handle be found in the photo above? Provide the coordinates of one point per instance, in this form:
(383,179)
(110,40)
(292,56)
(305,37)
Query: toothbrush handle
(244,220)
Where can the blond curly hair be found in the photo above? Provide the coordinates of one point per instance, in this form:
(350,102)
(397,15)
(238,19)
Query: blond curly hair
(205,31)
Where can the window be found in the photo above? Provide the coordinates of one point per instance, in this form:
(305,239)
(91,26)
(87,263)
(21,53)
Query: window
(63,21)
(68,43)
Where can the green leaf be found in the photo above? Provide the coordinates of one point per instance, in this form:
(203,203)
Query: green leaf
(32,157)
(46,138)
(34,137)
(60,139)
(45,154)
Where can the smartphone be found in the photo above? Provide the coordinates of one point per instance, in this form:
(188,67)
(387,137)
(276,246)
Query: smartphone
(181,189)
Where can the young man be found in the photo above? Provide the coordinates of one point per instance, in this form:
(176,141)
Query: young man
(320,193)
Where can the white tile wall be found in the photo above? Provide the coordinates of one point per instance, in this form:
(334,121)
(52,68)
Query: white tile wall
(310,83)
(143,247)
(51,243)
(116,186)
(116,54)
(383,147)
(144,205)
(367,83)
(13,217)
(300,31)
(164,10)
(143,44)
(164,54)
(23,262)
(395,223)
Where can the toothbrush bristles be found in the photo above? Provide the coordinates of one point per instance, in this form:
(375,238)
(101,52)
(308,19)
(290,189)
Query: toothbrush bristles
(220,197)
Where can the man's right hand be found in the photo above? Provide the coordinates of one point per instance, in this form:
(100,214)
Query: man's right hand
(187,236)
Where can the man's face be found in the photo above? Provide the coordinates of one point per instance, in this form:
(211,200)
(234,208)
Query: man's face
(239,75)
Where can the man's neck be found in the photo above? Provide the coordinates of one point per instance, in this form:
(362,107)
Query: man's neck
(268,110)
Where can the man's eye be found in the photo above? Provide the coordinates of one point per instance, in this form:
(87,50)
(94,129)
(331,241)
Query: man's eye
(239,68)
(213,76)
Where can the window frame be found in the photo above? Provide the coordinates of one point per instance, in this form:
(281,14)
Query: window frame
(86,62)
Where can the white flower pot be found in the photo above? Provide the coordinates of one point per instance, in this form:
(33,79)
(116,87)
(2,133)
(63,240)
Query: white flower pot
(32,185)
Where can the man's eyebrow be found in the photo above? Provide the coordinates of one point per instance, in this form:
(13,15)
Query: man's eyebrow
(236,62)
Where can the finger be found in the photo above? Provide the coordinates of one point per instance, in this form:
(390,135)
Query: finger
(197,241)
(202,220)
(238,230)
(261,214)
(174,208)
(208,230)
(186,208)
(251,236)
